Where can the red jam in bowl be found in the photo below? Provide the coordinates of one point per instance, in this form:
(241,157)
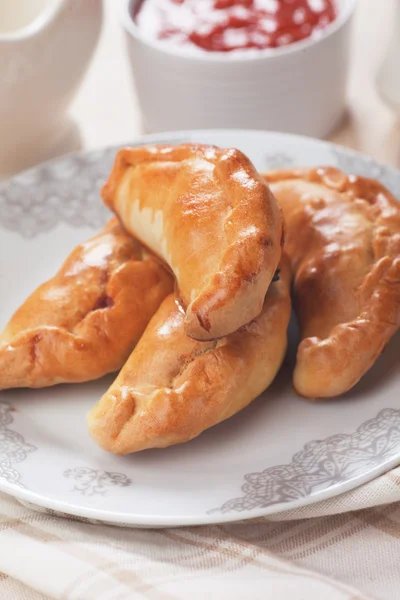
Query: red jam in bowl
(226,25)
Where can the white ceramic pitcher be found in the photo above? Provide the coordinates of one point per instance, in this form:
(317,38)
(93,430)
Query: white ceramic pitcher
(45,48)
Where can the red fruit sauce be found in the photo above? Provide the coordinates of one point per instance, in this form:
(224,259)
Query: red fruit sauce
(226,25)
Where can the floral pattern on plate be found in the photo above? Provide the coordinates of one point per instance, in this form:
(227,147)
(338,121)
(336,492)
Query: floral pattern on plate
(13,448)
(90,482)
(321,464)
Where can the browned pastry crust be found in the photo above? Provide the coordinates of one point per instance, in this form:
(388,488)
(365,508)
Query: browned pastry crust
(209,214)
(84,322)
(172,387)
(343,239)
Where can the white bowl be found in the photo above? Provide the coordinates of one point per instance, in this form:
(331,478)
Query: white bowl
(299,88)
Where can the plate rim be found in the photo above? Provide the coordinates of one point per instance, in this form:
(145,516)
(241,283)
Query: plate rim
(112,517)
(176,134)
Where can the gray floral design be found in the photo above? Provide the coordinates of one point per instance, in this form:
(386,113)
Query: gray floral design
(69,193)
(322,464)
(278,160)
(13,448)
(357,164)
(90,482)
(66,190)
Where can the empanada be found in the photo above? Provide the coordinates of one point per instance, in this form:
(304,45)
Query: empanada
(172,387)
(208,213)
(84,322)
(343,239)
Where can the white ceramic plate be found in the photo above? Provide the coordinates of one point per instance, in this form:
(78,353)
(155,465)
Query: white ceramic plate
(279,453)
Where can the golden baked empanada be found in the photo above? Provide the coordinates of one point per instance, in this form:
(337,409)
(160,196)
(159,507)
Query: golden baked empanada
(208,213)
(343,239)
(172,387)
(84,322)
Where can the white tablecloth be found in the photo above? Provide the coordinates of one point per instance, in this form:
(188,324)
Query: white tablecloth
(352,554)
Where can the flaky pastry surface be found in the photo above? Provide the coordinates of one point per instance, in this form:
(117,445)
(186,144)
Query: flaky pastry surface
(84,322)
(209,214)
(343,238)
(173,387)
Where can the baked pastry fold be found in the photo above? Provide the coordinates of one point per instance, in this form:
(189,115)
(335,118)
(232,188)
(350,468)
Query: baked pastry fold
(343,239)
(209,214)
(84,322)
(173,387)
